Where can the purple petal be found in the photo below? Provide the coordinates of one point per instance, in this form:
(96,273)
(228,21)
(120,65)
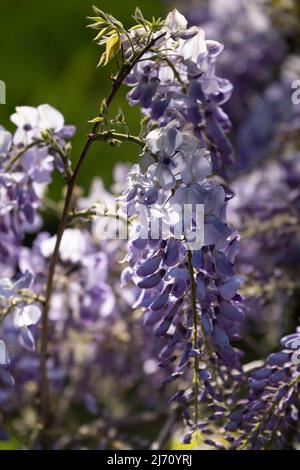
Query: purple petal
(291,341)
(150,281)
(172,253)
(197,259)
(220,337)
(179,273)
(161,300)
(149,266)
(223,265)
(278,359)
(230,312)
(230,287)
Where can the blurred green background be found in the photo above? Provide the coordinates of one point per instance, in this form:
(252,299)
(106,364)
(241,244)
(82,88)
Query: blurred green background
(48,56)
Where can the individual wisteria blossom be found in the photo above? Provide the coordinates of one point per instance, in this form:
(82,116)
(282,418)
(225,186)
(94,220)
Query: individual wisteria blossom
(27,161)
(19,310)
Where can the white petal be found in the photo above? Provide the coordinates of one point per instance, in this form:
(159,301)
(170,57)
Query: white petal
(210,85)
(3,354)
(189,143)
(47,246)
(107,305)
(26,316)
(25,115)
(165,177)
(31,314)
(154,140)
(165,74)
(20,137)
(193,47)
(49,118)
(175,21)
(5,287)
(201,166)
(172,140)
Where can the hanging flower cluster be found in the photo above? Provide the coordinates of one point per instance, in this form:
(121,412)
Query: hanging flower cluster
(27,160)
(270,416)
(253,48)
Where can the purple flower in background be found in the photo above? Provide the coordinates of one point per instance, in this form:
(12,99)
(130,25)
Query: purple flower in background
(270,414)
(26,165)
(253,48)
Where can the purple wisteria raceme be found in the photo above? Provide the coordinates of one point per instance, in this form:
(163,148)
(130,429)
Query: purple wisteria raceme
(266,212)
(254,48)
(189,292)
(254,51)
(259,134)
(180,84)
(269,418)
(27,160)
(90,313)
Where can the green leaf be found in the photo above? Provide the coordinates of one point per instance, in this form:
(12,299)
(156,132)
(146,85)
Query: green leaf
(112,47)
(102,33)
(99,12)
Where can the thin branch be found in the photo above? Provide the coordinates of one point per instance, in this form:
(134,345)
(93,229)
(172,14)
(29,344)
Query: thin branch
(93,212)
(65,160)
(198,324)
(195,336)
(111,135)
